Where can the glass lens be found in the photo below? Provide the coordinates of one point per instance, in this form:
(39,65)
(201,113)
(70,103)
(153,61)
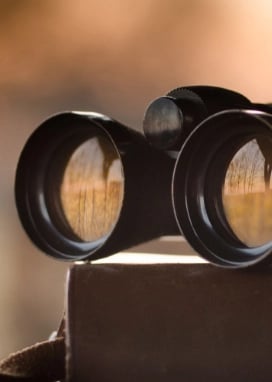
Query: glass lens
(92,188)
(247,195)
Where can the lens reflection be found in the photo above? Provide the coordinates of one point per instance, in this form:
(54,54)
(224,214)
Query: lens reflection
(92,187)
(247,195)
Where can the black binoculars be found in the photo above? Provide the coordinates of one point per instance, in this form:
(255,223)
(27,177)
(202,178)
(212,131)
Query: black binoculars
(87,186)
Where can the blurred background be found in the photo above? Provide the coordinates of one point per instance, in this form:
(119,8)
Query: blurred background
(114,57)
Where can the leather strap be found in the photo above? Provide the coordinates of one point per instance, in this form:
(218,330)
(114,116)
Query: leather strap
(43,362)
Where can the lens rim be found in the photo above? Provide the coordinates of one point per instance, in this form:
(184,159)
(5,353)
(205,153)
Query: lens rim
(65,131)
(198,203)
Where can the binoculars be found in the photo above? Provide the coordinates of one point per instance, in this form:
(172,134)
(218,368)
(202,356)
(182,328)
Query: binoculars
(87,186)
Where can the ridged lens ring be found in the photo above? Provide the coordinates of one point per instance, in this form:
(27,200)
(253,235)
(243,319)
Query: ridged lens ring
(222,191)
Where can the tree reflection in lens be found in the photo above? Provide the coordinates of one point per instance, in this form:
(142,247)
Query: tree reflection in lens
(247,196)
(92,188)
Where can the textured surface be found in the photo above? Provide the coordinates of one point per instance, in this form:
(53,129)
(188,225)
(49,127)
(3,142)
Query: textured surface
(43,361)
(169,322)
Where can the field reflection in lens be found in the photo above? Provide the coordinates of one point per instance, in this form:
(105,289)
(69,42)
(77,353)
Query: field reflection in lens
(91,192)
(247,194)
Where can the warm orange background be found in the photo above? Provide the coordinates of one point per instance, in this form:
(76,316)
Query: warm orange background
(114,57)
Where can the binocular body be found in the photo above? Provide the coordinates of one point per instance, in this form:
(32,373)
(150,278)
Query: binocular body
(88,186)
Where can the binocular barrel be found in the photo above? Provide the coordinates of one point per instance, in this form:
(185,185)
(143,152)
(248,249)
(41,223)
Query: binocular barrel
(221,181)
(88,186)
(222,197)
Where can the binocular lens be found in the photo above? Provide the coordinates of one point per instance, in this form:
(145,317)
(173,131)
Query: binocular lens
(221,188)
(91,189)
(88,186)
(82,192)
(70,185)
(247,198)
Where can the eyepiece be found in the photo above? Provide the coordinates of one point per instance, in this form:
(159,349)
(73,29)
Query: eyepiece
(221,188)
(85,184)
